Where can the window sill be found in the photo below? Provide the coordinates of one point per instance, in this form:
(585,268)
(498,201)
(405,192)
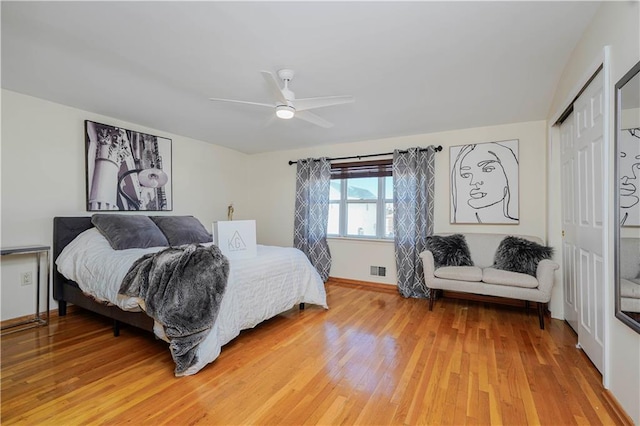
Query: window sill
(361,240)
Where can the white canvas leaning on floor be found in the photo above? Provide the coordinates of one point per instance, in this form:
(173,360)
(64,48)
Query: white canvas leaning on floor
(484,183)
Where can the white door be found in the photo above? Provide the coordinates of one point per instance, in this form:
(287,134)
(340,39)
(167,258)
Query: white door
(569,248)
(583,245)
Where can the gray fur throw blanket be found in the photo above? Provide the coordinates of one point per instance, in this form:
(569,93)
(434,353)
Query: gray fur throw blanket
(182,288)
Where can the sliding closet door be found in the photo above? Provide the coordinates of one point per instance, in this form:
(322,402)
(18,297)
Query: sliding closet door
(569,223)
(583,215)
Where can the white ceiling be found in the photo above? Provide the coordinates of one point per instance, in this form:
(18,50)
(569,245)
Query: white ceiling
(413,67)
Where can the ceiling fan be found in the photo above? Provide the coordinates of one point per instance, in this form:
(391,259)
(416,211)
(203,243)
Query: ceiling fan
(287,106)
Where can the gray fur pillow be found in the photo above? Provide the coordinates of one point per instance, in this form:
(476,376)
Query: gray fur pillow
(181,230)
(129,231)
(451,250)
(517,254)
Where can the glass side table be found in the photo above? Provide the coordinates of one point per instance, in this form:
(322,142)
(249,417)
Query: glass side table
(38,250)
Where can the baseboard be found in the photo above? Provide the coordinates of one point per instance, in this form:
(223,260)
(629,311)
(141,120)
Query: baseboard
(25,322)
(364,285)
(617,409)
(13,321)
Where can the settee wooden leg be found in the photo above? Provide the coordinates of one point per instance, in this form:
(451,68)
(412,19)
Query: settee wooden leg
(302,306)
(432,296)
(116,328)
(541,309)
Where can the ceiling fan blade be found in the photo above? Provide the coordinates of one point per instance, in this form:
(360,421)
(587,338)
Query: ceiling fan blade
(242,102)
(274,87)
(310,103)
(270,120)
(312,118)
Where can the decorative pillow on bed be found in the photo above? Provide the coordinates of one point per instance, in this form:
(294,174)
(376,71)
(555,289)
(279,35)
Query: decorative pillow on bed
(181,230)
(451,250)
(517,254)
(129,231)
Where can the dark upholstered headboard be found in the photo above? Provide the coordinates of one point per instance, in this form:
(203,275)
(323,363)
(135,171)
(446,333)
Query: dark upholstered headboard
(65,229)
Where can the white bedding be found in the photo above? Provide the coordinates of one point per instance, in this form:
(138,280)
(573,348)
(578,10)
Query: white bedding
(276,280)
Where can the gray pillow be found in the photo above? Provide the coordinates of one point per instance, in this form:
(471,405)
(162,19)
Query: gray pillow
(181,230)
(517,254)
(451,250)
(129,231)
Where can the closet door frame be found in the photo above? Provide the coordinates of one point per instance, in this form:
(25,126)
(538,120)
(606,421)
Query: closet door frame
(554,213)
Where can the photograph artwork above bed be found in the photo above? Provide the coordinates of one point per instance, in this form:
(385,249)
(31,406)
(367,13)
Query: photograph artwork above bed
(259,288)
(127,170)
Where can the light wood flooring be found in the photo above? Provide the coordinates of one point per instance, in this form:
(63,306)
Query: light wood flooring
(373,358)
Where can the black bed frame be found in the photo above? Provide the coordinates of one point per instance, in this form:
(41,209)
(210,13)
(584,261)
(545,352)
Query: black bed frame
(65,229)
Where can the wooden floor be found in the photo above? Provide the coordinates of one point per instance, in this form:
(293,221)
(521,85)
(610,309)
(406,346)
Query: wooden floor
(372,358)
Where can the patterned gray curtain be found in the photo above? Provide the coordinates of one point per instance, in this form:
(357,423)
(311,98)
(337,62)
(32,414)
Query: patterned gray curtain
(312,213)
(413,189)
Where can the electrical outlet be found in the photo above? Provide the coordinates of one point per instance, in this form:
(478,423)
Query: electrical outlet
(26,278)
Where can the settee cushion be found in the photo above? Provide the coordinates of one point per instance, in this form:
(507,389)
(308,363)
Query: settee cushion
(630,288)
(629,304)
(513,279)
(629,257)
(517,254)
(459,273)
(451,250)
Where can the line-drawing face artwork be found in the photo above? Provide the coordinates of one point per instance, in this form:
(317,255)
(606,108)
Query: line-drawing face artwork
(629,167)
(484,183)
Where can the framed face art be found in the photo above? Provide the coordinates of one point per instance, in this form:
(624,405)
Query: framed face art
(127,170)
(484,183)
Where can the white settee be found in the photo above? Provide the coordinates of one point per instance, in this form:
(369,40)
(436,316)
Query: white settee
(630,274)
(484,279)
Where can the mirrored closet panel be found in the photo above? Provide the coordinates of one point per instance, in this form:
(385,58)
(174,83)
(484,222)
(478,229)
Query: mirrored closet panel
(627,195)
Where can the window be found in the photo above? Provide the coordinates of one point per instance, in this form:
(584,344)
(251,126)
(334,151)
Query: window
(361,200)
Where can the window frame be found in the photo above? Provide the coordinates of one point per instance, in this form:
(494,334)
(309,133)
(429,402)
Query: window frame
(342,172)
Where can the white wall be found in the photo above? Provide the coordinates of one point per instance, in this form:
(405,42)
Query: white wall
(616,24)
(273,182)
(43,175)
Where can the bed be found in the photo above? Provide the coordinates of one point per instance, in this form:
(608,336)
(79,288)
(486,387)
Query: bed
(89,271)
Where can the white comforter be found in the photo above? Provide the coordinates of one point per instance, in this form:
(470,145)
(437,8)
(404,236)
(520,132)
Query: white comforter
(276,280)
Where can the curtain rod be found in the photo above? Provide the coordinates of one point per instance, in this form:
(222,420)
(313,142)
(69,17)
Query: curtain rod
(437,149)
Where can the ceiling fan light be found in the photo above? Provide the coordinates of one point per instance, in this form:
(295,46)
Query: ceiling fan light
(285,112)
